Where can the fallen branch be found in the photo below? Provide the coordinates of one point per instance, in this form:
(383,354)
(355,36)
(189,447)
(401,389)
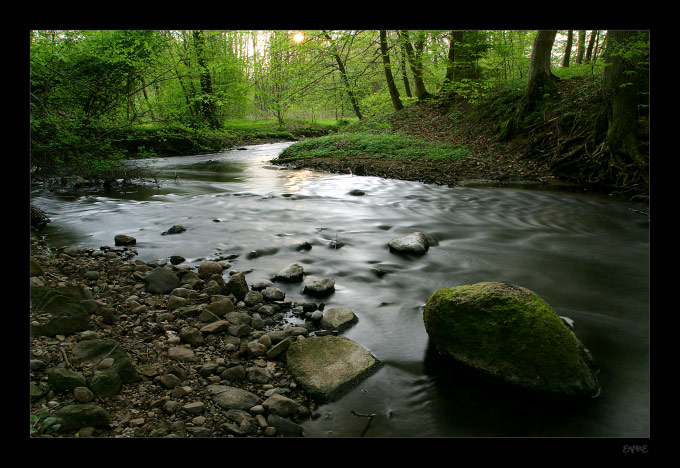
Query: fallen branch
(370,418)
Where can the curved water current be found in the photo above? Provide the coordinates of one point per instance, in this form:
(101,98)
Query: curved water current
(586,255)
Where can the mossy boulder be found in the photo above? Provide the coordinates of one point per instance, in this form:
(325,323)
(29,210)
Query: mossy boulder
(508,333)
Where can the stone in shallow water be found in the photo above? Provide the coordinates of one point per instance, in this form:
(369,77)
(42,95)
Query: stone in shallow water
(414,243)
(320,288)
(338,318)
(293,273)
(327,366)
(122,239)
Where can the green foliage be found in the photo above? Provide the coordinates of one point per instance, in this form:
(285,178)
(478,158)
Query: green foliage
(98,97)
(385,146)
(471,90)
(43,424)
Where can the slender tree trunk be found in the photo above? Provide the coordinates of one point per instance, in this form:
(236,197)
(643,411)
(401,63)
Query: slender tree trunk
(146,98)
(581,46)
(343,75)
(591,43)
(404,73)
(394,93)
(415,60)
(451,58)
(567,50)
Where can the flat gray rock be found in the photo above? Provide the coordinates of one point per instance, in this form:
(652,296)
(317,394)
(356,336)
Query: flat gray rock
(327,366)
(233,398)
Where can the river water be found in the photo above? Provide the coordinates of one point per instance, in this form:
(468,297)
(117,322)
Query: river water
(587,255)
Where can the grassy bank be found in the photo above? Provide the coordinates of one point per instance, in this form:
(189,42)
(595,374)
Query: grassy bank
(381,146)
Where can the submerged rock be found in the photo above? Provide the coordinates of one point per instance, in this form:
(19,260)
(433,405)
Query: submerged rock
(327,366)
(414,243)
(508,333)
(176,229)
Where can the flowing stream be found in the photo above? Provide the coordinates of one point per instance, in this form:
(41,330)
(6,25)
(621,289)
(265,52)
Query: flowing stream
(587,255)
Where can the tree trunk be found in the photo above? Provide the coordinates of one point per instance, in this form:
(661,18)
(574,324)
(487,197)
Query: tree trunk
(567,50)
(404,73)
(343,75)
(415,60)
(591,43)
(541,78)
(207,100)
(462,64)
(581,46)
(453,38)
(621,84)
(541,82)
(394,93)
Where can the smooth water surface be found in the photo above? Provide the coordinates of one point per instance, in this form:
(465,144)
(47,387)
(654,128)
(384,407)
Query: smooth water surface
(586,255)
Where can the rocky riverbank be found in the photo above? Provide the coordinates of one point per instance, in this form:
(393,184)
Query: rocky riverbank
(206,353)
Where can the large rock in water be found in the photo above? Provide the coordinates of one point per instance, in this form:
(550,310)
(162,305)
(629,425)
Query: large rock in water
(414,243)
(327,366)
(508,333)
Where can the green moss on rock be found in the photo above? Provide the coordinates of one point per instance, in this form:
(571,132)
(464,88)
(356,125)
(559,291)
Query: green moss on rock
(508,333)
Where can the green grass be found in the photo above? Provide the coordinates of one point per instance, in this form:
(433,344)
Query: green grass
(384,146)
